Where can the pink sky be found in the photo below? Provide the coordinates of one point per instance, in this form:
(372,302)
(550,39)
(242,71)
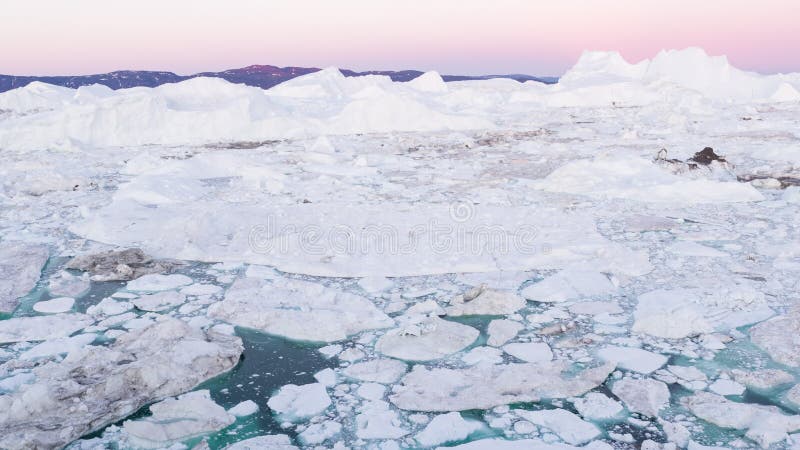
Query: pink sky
(46,37)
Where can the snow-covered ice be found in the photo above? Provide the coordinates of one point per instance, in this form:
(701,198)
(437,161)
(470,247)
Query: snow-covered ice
(628,232)
(427,339)
(20,267)
(298,310)
(299,402)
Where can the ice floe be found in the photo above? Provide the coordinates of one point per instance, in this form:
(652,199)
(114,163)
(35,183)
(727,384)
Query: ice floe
(298,310)
(98,385)
(487,386)
(20,268)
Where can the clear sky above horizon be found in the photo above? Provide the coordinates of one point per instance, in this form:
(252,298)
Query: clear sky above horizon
(50,37)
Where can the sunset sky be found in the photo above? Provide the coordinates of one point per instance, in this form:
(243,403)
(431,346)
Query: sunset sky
(47,37)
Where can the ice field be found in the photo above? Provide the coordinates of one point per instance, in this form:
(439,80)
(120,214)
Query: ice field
(610,262)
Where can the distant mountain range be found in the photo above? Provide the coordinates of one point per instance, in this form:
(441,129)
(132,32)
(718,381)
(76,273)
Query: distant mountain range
(260,76)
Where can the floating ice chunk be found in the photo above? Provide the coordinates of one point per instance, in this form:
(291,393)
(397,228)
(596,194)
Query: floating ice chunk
(298,310)
(58,346)
(41,328)
(427,339)
(679,313)
(12,383)
(377,370)
(502,330)
(693,445)
(763,379)
(777,337)
(68,285)
(326,377)
(763,424)
(568,426)
(426,308)
(375,284)
(295,403)
(726,387)
(791,194)
(177,419)
(529,351)
(488,303)
(487,386)
(244,409)
(376,421)
(371,391)
(157,282)
(569,284)
(644,396)
(642,180)
(634,359)
(56,305)
(268,442)
(160,301)
(20,268)
(690,248)
(201,289)
(320,432)
(595,308)
(597,406)
(140,367)
(525,444)
(483,355)
(688,373)
(263,272)
(446,428)
(329,351)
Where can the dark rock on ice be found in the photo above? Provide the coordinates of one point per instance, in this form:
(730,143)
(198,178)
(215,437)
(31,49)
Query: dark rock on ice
(120,265)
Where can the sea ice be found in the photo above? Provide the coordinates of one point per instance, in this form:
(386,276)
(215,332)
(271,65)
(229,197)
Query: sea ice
(268,442)
(97,385)
(597,406)
(502,330)
(489,302)
(318,433)
(177,419)
(569,284)
(298,310)
(487,386)
(156,282)
(645,396)
(377,370)
(58,346)
(446,428)
(678,313)
(375,420)
(763,424)
(294,403)
(427,339)
(244,409)
(634,359)
(568,426)
(160,301)
(777,337)
(53,306)
(41,328)
(529,351)
(21,266)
